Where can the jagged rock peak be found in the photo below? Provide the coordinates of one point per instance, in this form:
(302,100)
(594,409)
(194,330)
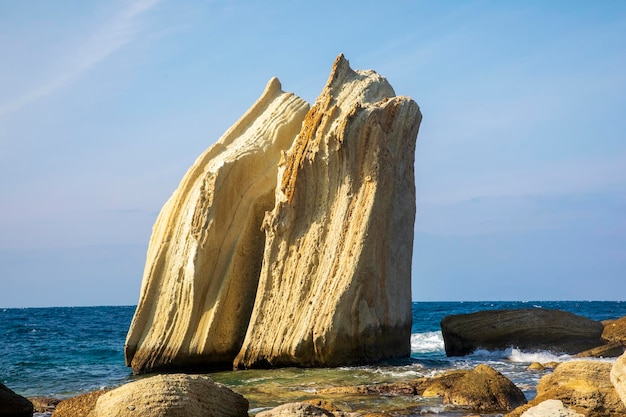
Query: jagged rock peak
(206,248)
(335,284)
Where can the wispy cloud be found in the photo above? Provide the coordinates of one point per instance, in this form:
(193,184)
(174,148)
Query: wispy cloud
(106,40)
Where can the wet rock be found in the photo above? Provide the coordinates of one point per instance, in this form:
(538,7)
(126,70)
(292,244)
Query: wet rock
(529,329)
(172,395)
(303,409)
(486,390)
(536,366)
(44,404)
(14,405)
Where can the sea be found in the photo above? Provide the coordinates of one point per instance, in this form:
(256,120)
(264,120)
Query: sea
(65,351)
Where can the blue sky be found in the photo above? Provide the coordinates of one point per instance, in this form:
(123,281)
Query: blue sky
(520,162)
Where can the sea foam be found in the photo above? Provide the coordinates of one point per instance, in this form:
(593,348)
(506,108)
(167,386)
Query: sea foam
(427,342)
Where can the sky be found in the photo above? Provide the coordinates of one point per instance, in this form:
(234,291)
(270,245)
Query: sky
(520,160)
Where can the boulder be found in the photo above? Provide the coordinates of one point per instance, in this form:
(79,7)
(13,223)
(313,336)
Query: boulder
(14,405)
(173,395)
(206,248)
(618,376)
(610,350)
(485,390)
(551,408)
(303,409)
(335,285)
(482,389)
(529,329)
(615,330)
(78,406)
(583,386)
(44,404)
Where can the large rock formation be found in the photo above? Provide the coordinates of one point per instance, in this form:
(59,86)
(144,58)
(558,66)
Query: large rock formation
(335,286)
(206,248)
(531,329)
(325,277)
(175,395)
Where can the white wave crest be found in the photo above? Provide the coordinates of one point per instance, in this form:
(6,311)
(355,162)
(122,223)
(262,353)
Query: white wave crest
(516,355)
(427,342)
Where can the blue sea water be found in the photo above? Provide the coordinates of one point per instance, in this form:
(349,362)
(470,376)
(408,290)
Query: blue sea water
(65,351)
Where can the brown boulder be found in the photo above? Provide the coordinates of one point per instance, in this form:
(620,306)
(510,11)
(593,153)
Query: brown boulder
(14,405)
(610,350)
(531,329)
(486,390)
(79,406)
(583,386)
(615,330)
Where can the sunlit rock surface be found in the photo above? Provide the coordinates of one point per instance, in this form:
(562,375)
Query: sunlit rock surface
(335,286)
(206,248)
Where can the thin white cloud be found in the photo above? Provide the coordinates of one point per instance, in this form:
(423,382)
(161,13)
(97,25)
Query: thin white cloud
(105,41)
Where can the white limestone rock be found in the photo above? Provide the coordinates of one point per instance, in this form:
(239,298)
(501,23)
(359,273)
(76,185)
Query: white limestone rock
(206,248)
(335,286)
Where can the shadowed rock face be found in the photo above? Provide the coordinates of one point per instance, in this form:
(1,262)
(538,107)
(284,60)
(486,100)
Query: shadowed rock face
(532,329)
(206,247)
(335,286)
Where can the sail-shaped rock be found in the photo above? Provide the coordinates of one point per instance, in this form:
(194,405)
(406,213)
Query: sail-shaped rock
(206,248)
(335,286)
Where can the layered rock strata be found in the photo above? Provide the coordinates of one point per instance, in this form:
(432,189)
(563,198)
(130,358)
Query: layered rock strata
(532,329)
(335,286)
(206,248)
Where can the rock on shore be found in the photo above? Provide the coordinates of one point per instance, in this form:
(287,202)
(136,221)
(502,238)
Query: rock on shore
(14,405)
(532,329)
(583,386)
(335,286)
(206,248)
(175,395)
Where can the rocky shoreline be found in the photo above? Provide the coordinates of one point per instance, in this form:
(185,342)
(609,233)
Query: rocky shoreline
(584,387)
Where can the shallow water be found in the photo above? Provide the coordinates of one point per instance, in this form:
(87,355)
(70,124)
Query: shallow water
(67,351)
